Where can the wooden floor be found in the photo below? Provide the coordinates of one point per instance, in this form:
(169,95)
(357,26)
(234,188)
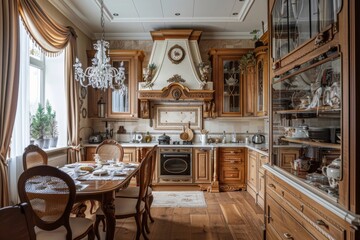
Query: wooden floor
(229,215)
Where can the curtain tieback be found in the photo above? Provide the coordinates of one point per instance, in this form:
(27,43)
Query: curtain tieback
(3,159)
(76,148)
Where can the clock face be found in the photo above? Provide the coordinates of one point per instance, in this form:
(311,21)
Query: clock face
(176,54)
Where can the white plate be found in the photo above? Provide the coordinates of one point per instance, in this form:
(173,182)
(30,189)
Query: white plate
(119,173)
(100,172)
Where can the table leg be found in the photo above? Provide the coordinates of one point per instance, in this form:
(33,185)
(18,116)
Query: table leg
(108,208)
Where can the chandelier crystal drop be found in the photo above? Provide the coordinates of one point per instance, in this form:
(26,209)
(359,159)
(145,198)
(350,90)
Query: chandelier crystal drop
(101,74)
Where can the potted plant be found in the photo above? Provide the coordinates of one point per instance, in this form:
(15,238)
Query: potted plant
(52,125)
(258,43)
(38,126)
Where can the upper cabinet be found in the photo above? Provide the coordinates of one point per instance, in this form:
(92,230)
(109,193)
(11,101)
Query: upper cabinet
(295,22)
(114,103)
(234,81)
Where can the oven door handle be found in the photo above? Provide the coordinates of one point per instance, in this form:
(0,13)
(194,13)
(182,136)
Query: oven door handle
(175,155)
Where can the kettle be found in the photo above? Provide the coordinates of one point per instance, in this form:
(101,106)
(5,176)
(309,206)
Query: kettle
(258,138)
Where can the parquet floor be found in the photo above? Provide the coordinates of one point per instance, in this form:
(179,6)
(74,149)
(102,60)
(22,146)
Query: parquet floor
(229,215)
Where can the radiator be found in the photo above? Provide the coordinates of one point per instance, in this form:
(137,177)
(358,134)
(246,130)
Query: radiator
(16,168)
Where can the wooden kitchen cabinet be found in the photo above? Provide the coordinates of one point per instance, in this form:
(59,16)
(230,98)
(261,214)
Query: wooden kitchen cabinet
(234,82)
(118,105)
(232,169)
(260,200)
(286,157)
(202,165)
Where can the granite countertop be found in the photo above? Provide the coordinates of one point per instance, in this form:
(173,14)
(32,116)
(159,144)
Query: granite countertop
(261,148)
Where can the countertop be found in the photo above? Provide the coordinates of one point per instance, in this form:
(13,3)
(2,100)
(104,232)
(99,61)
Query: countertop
(261,148)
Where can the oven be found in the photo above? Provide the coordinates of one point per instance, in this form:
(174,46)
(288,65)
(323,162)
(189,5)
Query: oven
(175,165)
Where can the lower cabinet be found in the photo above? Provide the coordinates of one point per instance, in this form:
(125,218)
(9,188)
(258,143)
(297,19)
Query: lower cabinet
(290,214)
(287,157)
(232,169)
(283,224)
(202,165)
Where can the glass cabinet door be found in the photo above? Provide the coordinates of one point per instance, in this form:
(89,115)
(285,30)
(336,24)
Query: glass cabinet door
(294,22)
(306,123)
(231,87)
(120,100)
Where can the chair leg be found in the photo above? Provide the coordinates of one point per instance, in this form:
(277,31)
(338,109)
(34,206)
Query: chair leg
(151,199)
(91,235)
(96,225)
(145,227)
(138,226)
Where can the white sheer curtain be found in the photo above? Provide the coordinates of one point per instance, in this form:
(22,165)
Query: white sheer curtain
(21,133)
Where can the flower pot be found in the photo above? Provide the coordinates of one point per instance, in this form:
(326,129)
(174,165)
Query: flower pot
(46,143)
(53,142)
(39,142)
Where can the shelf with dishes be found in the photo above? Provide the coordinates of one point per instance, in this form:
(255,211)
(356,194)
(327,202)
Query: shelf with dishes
(311,142)
(316,110)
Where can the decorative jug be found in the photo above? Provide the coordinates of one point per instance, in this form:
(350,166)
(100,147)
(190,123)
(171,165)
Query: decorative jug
(333,172)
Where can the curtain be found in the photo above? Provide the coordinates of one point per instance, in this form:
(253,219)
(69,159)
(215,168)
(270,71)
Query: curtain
(53,38)
(9,78)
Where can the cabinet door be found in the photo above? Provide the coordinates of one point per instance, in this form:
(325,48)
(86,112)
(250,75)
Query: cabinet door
(262,81)
(90,151)
(124,104)
(130,155)
(249,90)
(252,170)
(231,83)
(287,157)
(202,165)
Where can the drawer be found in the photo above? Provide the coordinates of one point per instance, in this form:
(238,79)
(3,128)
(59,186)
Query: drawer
(232,151)
(263,160)
(232,175)
(232,159)
(283,223)
(253,153)
(271,234)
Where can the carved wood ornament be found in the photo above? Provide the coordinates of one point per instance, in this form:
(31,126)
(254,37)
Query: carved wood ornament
(176,92)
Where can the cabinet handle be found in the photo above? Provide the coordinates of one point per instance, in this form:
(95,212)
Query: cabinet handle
(321,223)
(272,185)
(235,168)
(232,152)
(288,236)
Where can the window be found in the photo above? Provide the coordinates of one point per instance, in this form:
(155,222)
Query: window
(41,85)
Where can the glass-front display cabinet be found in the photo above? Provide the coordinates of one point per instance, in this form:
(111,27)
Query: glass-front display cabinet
(306,110)
(118,104)
(232,74)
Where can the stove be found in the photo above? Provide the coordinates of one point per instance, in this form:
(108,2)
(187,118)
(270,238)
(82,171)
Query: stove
(182,143)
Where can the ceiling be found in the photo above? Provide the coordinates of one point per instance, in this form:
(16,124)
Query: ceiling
(134,19)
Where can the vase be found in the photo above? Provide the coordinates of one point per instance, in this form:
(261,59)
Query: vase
(53,142)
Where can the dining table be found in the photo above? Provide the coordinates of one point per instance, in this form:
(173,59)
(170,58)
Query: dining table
(102,186)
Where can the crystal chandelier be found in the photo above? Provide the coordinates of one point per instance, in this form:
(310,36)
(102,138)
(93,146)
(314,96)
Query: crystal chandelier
(101,74)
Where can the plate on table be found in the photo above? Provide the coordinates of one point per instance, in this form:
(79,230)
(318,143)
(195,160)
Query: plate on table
(120,173)
(72,165)
(100,172)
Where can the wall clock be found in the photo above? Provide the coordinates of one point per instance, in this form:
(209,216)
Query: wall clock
(176,54)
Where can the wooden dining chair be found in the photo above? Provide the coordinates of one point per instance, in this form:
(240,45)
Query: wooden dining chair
(34,156)
(133,192)
(110,150)
(132,207)
(50,193)
(16,223)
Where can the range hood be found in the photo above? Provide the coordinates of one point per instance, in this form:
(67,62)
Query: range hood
(179,74)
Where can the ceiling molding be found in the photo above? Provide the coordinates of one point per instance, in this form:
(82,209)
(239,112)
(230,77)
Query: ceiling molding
(76,17)
(204,36)
(173,19)
(245,9)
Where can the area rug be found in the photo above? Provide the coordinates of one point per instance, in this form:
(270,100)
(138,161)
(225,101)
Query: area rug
(179,199)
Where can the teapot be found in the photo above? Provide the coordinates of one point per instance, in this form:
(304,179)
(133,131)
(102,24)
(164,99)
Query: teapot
(333,172)
(258,138)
